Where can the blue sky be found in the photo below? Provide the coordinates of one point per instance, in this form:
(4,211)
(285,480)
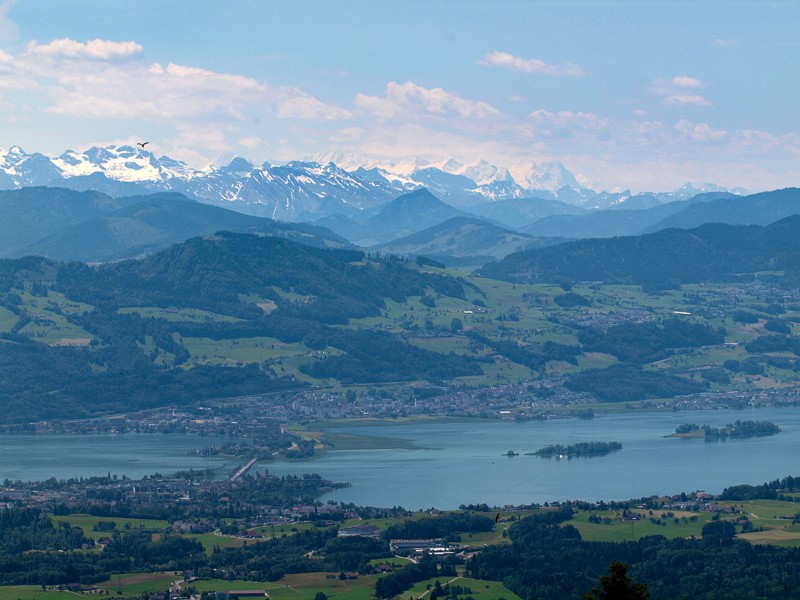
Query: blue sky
(639,95)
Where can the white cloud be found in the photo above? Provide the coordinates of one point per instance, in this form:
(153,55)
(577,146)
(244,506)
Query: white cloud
(676,91)
(687,100)
(9,32)
(684,81)
(504,60)
(566,123)
(410,101)
(700,132)
(409,142)
(296,104)
(94,49)
(111,80)
(250,141)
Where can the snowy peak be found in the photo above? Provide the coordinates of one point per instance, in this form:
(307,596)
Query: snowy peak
(547,176)
(120,163)
(309,189)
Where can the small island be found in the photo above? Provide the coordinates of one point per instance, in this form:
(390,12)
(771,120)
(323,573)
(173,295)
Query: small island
(739,429)
(577,450)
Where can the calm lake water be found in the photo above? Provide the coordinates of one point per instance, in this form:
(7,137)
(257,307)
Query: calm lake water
(463,462)
(39,457)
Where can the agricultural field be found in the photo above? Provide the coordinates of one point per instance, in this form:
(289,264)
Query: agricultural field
(136,584)
(33,592)
(48,322)
(303,586)
(615,529)
(480,590)
(240,351)
(89,523)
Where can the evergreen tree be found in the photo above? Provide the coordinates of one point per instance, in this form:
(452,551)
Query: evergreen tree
(618,586)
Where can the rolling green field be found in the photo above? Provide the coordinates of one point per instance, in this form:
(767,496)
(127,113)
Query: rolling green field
(523,313)
(303,586)
(481,590)
(623,531)
(135,584)
(33,592)
(246,350)
(48,313)
(210,540)
(88,522)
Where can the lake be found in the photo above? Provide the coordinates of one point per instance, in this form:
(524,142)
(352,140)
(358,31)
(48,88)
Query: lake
(463,462)
(39,457)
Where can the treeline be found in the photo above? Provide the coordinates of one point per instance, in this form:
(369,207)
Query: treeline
(399,581)
(139,551)
(23,530)
(381,356)
(212,273)
(711,252)
(642,343)
(548,560)
(771,490)
(579,449)
(741,429)
(533,356)
(42,382)
(446,526)
(627,383)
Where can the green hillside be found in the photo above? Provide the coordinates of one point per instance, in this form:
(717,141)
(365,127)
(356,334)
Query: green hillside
(711,252)
(235,314)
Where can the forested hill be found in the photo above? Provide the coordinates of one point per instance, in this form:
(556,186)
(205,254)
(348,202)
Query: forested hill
(711,252)
(214,272)
(126,355)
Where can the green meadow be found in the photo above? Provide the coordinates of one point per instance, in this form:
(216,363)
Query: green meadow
(481,590)
(89,522)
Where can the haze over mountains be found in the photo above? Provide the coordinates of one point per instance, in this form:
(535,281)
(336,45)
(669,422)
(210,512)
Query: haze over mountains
(120,202)
(307,190)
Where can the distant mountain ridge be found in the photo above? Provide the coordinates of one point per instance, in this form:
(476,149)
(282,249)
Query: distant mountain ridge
(89,226)
(463,241)
(298,190)
(711,252)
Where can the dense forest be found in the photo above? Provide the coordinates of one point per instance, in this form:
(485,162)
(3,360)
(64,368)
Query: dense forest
(711,252)
(548,560)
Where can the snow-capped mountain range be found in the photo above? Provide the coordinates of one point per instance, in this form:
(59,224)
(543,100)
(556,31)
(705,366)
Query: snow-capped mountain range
(307,190)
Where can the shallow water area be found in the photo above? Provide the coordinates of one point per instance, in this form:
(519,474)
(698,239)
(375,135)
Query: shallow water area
(30,457)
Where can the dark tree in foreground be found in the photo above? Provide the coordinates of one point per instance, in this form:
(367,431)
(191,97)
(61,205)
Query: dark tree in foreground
(618,586)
